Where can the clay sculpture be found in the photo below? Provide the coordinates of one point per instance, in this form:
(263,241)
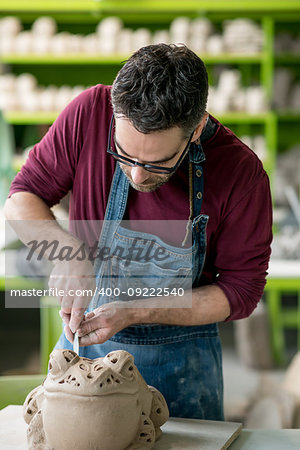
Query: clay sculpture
(100,404)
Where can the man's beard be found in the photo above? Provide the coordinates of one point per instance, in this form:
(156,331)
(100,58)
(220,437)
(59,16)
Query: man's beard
(151,186)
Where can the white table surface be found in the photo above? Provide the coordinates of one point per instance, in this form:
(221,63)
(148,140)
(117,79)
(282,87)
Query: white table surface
(284,268)
(178,434)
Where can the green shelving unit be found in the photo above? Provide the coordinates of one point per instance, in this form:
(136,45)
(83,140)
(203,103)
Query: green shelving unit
(158,14)
(155,13)
(29,118)
(83,59)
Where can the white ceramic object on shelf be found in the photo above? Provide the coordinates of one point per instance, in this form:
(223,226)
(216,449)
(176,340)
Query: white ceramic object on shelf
(198,44)
(283,79)
(246,139)
(107,46)
(8,101)
(63,97)
(200,31)
(77,90)
(242,36)
(7,44)
(211,99)
(59,43)
(260,147)
(124,44)
(41,44)
(75,43)
(110,26)
(222,102)
(23,42)
(10,26)
(161,37)
(141,37)
(201,27)
(239,35)
(29,101)
(239,100)
(180,30)
(214,44)
(25,82)
(47,99)
(22,93)
(90,44)
(255,100)
(7,82)
(44,26)
(229,80)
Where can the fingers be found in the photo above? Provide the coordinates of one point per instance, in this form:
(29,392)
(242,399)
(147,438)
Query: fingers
(96,337)
(65,317)
(76,319)
(89,315)
(68,333)
(90,324)
(72,312)
(99,318)
(72,317)
(66,304)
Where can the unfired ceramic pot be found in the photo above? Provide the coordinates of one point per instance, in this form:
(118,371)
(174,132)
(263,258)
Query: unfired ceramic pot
(100,404)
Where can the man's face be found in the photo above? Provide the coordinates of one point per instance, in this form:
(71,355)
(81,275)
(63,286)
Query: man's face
(161,148)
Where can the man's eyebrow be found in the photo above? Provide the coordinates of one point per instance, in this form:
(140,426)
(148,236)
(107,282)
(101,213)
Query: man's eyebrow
(148,162)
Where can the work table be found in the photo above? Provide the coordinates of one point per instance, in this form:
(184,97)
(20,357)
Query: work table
(178,434)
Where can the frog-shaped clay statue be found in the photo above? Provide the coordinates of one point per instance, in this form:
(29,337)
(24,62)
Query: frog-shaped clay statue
(100,404)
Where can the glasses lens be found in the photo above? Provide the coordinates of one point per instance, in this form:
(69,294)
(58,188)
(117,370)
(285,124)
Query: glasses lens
(147,167)
(123,161)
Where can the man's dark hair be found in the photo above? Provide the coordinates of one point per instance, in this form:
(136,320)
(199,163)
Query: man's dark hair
(161,86)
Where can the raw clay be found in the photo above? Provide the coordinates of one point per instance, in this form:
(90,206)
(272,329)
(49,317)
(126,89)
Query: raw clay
(100,404)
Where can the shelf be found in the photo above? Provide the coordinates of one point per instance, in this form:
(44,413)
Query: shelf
(78,59)
(30,118)
(23,118)
(287,58)
(87,10)
(289,116)
(199,5)
(242,118)
(50,5)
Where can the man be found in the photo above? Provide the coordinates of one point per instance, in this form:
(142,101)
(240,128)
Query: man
(147,149)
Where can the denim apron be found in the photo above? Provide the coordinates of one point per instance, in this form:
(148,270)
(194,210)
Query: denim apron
(183,362)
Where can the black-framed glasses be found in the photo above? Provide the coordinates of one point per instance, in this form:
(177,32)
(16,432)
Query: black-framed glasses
(149,167)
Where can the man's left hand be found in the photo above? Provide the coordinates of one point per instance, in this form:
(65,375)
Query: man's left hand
(101,324)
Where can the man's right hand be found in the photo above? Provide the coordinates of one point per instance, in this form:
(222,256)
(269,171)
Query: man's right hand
(76,280)
(32,219)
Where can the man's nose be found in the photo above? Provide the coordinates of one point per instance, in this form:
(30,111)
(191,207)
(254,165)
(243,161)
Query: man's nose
(139,175)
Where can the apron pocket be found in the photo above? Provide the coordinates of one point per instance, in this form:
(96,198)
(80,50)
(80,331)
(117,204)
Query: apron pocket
(144,280)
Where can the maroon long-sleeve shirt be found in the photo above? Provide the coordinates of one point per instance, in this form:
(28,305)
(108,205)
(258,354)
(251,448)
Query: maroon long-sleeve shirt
(72,157)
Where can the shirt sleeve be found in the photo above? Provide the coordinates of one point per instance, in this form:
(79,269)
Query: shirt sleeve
(243,249)
(50,167)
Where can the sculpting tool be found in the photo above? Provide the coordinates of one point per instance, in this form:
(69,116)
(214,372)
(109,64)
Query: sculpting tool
(76,344)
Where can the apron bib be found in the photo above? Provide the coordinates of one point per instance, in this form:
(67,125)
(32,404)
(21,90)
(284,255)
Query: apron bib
(183,362)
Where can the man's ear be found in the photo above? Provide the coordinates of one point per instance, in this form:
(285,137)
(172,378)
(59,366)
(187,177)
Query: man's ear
(199,128)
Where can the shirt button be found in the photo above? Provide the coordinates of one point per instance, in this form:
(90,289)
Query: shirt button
(199,195)
(198,173)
